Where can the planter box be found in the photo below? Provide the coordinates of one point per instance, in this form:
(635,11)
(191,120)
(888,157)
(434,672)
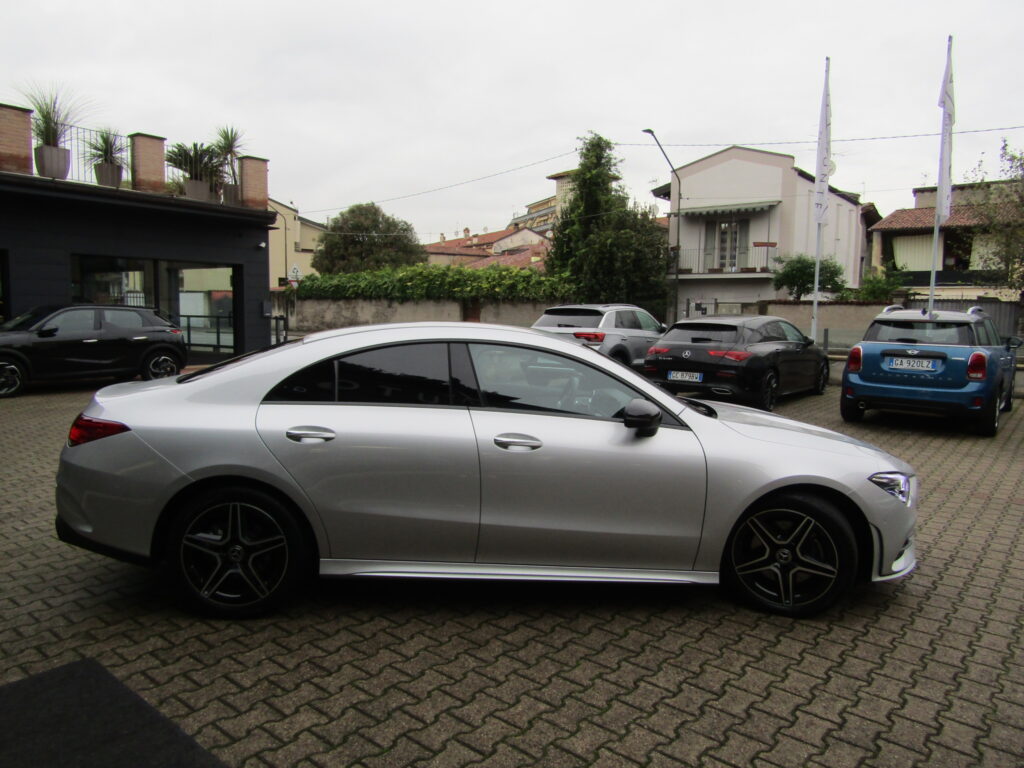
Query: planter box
(714,270)
(197,190)
(748,269)
(108,174)
(52,162)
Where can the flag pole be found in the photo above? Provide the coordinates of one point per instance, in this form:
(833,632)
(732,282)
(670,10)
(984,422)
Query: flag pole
(822,172)
(944,189)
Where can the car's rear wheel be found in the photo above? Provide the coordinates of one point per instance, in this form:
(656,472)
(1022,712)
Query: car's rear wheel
(986,421)
(236,551)
(821,382)
(768,393)
(160,364)
(1008,403)
(794,554)
(12,378)
(849,410)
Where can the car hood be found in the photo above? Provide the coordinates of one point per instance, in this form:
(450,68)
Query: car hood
(772,428)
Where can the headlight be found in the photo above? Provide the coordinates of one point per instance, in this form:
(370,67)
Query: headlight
(894,483)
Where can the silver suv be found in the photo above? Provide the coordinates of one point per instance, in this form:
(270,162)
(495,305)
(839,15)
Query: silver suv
(623,332)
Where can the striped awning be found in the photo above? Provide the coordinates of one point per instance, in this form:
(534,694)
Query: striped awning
(713,210)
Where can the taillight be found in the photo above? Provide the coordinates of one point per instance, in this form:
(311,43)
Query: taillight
(176,331)
(733,354)
(977,366)
(657,350)
(855,360)
(595,336)
(86,429)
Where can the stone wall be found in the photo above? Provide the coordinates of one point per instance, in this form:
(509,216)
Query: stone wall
(308,315)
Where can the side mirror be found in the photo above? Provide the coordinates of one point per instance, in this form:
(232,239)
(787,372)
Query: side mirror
(643,416)
(1013,342)
(47,333)
(808,341)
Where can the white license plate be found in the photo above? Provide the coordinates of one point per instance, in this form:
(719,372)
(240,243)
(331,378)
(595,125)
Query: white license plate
(692,376)
(911,364)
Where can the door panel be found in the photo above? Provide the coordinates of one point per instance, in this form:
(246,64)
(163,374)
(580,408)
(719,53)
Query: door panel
(392,483)
(559,490)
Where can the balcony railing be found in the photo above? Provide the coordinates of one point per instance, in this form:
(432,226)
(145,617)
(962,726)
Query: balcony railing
(756,260)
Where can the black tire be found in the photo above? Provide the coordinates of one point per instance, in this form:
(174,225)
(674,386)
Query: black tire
(1008,403)
(794,554)
(236,552)
(821,382)
(768,392)
(12,378)
(986,421)
(160,364)
(849,410)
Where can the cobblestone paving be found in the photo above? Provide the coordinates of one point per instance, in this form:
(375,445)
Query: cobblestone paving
(928,671)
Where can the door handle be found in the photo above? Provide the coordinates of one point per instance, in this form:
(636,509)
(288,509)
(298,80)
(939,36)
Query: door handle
(89,341)
(310,434)
(516,442)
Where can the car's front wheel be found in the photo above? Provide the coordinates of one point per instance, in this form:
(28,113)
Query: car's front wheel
(236,551)
(159,365)
(794,554)
(12,378)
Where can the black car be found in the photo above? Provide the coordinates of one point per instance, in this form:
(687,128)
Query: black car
(754,358)
(87,341)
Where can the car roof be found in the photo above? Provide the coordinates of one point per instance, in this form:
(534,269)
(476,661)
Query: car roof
(745,320)
(895,312)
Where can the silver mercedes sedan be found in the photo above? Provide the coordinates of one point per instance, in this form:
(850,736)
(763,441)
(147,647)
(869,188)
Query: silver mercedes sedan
(461,450)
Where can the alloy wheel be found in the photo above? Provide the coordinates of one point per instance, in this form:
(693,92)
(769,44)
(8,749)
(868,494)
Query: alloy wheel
(234,555)
(785,558)
(161,365)
(11,379)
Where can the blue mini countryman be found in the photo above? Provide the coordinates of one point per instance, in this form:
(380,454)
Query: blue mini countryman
(940,362)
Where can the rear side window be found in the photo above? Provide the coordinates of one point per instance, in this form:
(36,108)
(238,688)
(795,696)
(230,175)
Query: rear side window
(408,374)
(122,318)
(703,333)
(906,332)
(626,318)
(573,317)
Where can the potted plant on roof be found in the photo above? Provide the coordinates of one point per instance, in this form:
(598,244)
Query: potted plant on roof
(229,146)
(106,150)
(201,165)
(53,116)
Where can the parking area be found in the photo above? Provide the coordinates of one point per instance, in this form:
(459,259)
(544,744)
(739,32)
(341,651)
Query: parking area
(927,671)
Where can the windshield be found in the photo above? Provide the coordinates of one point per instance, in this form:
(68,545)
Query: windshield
(26,320)
(703,333)
(913,332)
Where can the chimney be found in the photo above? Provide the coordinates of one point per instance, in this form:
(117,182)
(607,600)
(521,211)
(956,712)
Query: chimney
(147,162)
(253,181)
(15,139)
(465,233)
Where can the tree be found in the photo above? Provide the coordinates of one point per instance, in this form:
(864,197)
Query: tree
(612,250)
(881,286)
(1000,208)
(797,276)
(362,238)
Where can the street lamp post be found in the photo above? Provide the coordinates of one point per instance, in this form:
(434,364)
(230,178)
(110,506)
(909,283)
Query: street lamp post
(679,217)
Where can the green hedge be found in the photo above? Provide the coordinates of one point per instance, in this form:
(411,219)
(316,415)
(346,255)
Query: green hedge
(433,283)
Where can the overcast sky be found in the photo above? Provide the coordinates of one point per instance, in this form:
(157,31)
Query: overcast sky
(360,101)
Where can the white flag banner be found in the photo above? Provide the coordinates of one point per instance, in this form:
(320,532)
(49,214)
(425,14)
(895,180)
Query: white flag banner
(823,168)
(944,199)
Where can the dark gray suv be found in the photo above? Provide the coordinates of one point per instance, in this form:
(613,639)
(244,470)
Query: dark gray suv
(623,332)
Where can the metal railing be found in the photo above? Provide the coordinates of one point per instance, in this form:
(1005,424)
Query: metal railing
(213,332)
(753,259)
